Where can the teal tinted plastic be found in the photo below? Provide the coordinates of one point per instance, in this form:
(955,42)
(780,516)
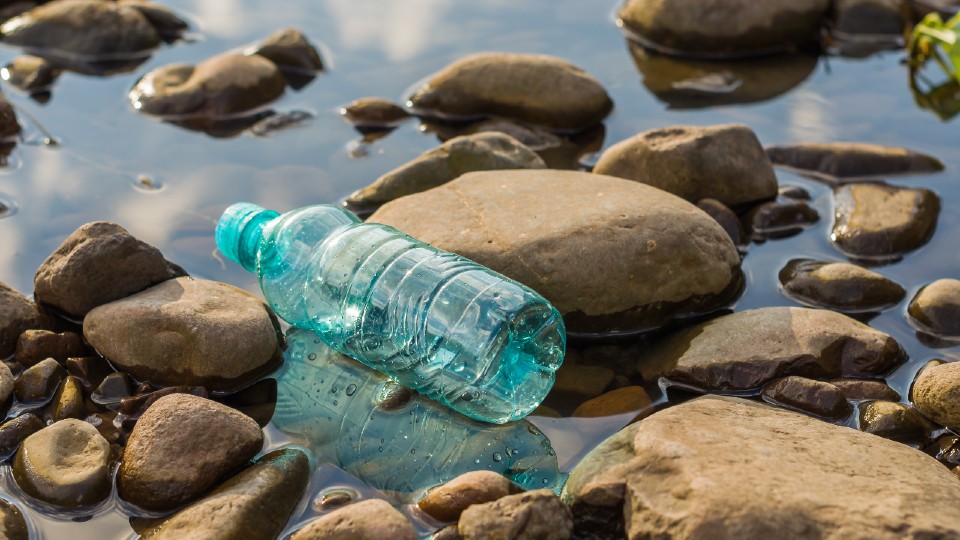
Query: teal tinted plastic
(453,330)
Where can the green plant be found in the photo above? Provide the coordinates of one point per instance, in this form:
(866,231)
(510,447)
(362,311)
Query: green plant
(936,39)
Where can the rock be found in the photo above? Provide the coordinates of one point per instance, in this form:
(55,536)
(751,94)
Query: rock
(9,128)
(480,152)
(224,85)
(258,401)
(170,26)
(12,524)
(681,473)
(30,74)
(779,220)
(98,263)
(15,431)
(726,218)
(878,222)
(815,397)
(447,533)
(67,402)
(936,308)
(533,137)
(936,394)
(580,381)
(840,286)
(65,464)
(534,515)
(748,349)
(628,230)
(112,389)
(135,406)
(289,49)
(724,162)
(157,475)
(40,381)
(843,160)
(6,388)
(500,84)
(374,112)
(945,449)
(36,345)
(17,314)
(253,505)
(894,421)
(448,501)
(372,519)
(866,389)
(870,17)
(188,332)
(620,401)
(723,28)
(795,193)
(90,370)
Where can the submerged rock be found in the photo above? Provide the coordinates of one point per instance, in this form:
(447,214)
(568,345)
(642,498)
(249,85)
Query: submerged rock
(30,74)
(819,398)
(936,308)
(841,286)
(936,394)
(501,84)
(18,314)
(844,160)
(653,256)
(373,519)
(534,515)
(724,162)
(446,502)
(780,219)
(619,401)
(681,474)
(374,113)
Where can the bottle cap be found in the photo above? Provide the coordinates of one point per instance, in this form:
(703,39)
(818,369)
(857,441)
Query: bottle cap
(238,232)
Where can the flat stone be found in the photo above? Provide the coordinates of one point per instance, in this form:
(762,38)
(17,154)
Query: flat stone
(748,349)
(936,394)
(840,286)
(18,314)
(448,501)
(157,475)
(936,308)
(534,515)
(627,231)
(188,332)
(844,160)
(879,222)
(289,49)
(726,218)
(866,389)
(65,464)
(40,381)
(372,112)
(253,505)
(30,73)
(894,421)
(501,84)
(15,431)
(723,162)
(36,345)
(807,395)
(458,156)
(372,519)
(619,401)
(67,402)
(730,468)
(12,524)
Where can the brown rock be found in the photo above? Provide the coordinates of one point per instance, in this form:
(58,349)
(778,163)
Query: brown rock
(15,431)
(815,397)
(6,387)
(534,515)
(581,381)
(67,402)
(373,519)
(90,370)
(879,222)
(871,18)
(894,421)
(779,220)
(9,128)
(39,381)
(374,112)
(843,160)
(841,286)
(866,389)
(30,73)
(936,394)
(448,501)
(17,314)
(936,308)
(619,401)
(289,49)
(726,218)
(36,345)
(12,524)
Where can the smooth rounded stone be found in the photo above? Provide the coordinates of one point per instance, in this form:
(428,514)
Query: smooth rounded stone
(448,501)
(796,193)
(627,231)
(936,394)
(936,308)
(6,387)
(30,73)
(582,381)
(40,381)
(879,222)
(866,389)
(620,401)
(807,395)
(945,449)
(36,345)
(748,349)
(723,28)
(112,389)
(534,515)
(682,473)
(843,160)
(289,49)
(894,421)
(98,263)
(12,524)
(15,431)
(373,112)
(870,17)
(780,219)
(143,398)
(458,156)
(372,519)
(18,314)
(156,474)
(67,402)
(840,286)
(188,332)
(253,505)
(726,218)
(224,85)
(167,23)
(501,84)
(723,162)
(66,464)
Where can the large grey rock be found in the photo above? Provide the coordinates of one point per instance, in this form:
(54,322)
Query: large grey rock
(98,263)
(724,162)
(460,155)
(610,254)
(936,394)
(936,308)
(158,475)
(728,468)
(188,332)
(841,286)
(535,88)
(18,314)
(745,350)
(373,519)
(879,222)
(842,160)
(534,515)
(724,28)
(446,502)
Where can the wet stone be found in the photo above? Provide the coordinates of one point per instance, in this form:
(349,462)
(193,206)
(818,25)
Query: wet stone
(723,162)
(894,421)
(815,397)
(796,193)
(17,314)
(141,401)
(39,381)
(112,389)
(881,223)
(365,520)
(30,74)
(12,524)
(448,501)
(14,367)
(157,475)
(372,112)
(936,394)
(533,137)
(15,431)
(9,126)
(36,345)
(620,401)
(838,161)
(167,23)
(534,515)
(105,425)
(779,220)
(936,308)
(449,532)
(945,449)
(65,464)
(726,218)
(866,389)
(840,286)
(258,401)
(393,396)
(289,49)
(583,382)
(869,17)
(90,370)
(6,388)
(67,402)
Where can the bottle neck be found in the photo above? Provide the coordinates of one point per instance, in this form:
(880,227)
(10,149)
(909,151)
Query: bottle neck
(239,231)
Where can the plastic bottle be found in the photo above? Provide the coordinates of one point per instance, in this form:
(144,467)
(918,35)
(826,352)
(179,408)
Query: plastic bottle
(347,414)
(438,323)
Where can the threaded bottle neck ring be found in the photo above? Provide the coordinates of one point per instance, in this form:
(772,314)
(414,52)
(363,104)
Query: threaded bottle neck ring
(239,230)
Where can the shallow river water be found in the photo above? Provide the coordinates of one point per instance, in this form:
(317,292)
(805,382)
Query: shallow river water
(167,185)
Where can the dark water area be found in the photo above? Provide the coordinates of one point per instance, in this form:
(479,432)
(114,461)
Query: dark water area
(167,185)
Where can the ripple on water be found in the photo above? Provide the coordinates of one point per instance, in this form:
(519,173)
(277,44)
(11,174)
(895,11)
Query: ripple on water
(8,206)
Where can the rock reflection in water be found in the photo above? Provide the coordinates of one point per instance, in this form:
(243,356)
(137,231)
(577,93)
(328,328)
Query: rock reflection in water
(351,416)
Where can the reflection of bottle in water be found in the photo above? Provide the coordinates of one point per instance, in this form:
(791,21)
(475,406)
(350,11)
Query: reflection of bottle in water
(345,412)
(436,322)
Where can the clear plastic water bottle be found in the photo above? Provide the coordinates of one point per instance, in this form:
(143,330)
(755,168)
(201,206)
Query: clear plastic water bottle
(445,326)
(351,416)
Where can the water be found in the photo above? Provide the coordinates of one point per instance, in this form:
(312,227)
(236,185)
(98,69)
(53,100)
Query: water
(381,48)
(459,333)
